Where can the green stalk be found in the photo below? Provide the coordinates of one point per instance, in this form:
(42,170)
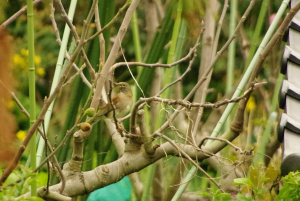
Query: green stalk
(231,48)
(261,19)
(260,153)
(151,169)
(56,77)
(31,68)
(136,38)
(169,72)
(231,56)
(147,185)
(238,91)
(175,32)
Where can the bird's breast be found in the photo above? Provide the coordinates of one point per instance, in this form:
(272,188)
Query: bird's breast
(122,104)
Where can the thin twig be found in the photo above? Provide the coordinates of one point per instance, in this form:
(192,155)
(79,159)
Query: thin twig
(46,154)
(113,109)
(16,15)
(101,39)
(67,56)
(185,72)
(74,33)
(184,103)
(67,20)
(75,75)
(24,111)
(223,140)
(188,56)
(189,158)
(216,41)
(109,23)
(79,70)
(58,40)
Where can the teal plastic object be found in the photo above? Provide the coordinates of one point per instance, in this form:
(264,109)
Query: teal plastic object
(119,191)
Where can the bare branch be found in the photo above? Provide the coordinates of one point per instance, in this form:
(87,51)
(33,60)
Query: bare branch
(216,40)
(185,72)
(58,40)
(108,24)
(183,103)
(188,56)
(224,140)
(16,15)
(74,33)
(101,39)
(113,109)
(44,193)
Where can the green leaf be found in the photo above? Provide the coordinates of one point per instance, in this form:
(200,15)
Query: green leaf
(34,198)
(254,175)
(212,191)
(218,191)
(243,181)
(223,195)
(226,199)
(291,188)
(42,179)
(241,197)
(204,194)
(272,174)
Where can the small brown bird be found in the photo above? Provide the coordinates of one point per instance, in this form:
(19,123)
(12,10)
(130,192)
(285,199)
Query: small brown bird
(121,98)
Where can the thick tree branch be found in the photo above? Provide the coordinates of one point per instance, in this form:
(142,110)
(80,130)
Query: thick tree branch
(81,183)
(145,135)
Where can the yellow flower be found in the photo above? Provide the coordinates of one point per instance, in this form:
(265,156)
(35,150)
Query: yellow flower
(21,135)
(40,71)
(251,104)
(10,104)
(19,61)
(37,60)
(24,52)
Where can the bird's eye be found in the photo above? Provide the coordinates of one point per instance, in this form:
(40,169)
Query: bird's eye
(123,85)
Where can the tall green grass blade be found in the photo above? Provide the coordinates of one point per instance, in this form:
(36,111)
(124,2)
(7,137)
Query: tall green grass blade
(31,68)
(259,24)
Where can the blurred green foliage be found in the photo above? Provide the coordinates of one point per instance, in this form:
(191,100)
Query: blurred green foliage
(72,98)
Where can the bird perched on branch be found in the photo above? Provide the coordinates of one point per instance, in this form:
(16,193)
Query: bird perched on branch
(121,98)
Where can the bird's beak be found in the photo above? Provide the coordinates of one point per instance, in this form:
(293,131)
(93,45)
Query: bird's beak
(115,84)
